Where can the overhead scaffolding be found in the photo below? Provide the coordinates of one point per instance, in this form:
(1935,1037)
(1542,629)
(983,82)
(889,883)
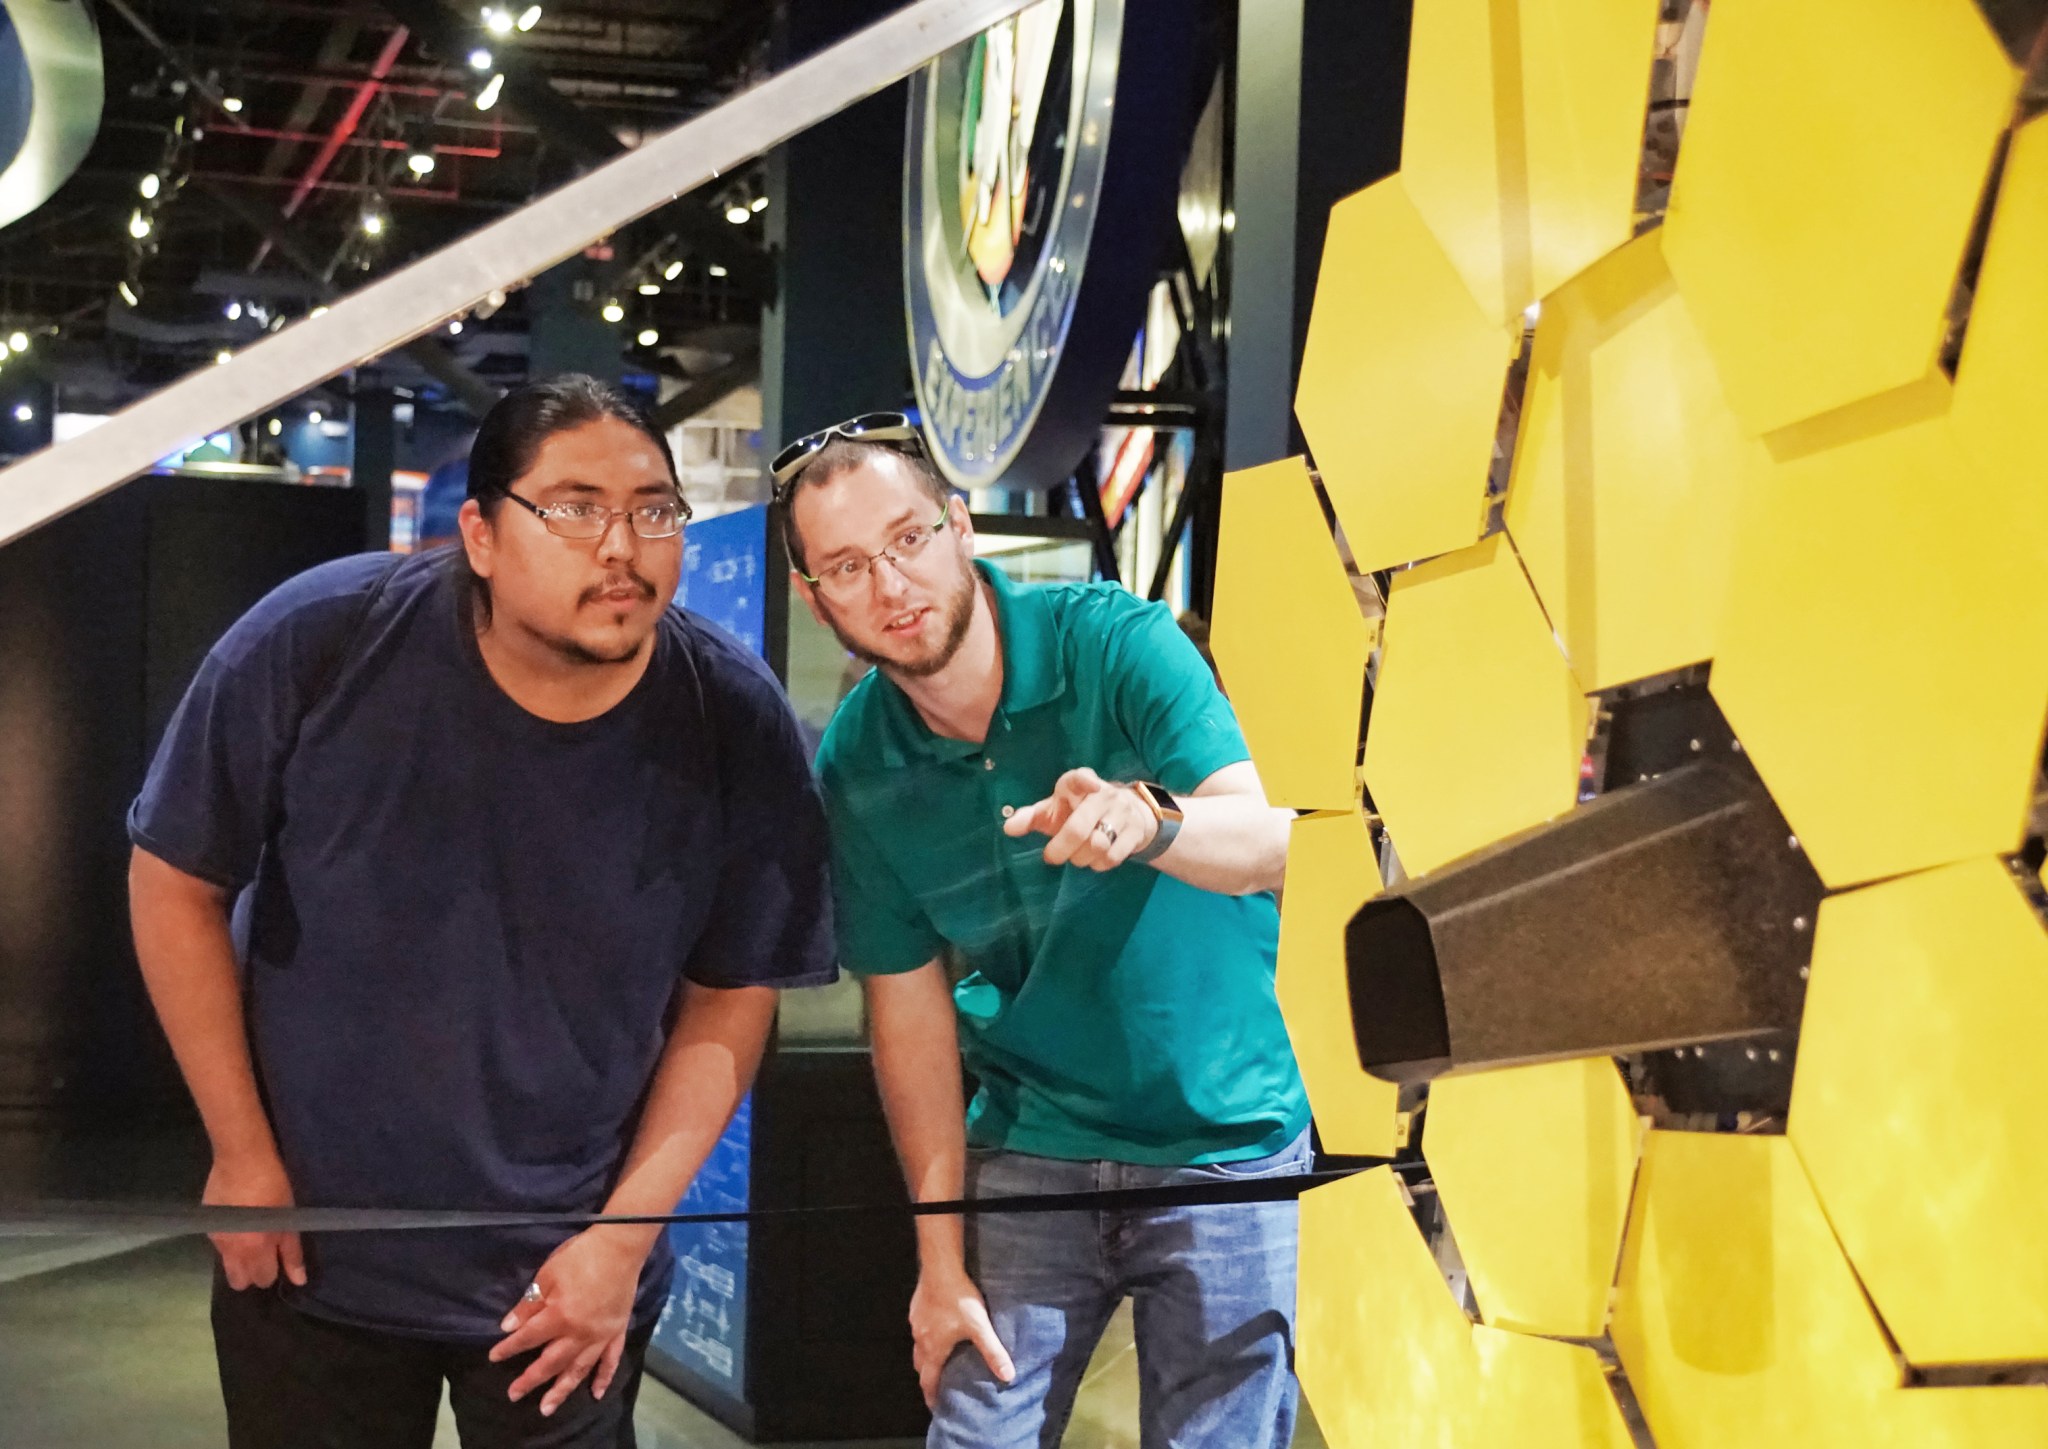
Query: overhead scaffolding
(396,309)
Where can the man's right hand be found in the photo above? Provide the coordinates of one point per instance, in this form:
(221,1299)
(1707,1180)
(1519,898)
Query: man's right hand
(252,1260)
(945,1311)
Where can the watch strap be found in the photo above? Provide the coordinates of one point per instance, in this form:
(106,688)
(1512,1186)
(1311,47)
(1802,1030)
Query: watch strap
(1162,838)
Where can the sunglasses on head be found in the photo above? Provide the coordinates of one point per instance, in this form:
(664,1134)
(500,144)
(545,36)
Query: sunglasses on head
(894,429)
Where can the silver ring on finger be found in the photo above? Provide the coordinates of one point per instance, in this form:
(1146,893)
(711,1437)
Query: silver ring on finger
(533,1294)
(1108,832)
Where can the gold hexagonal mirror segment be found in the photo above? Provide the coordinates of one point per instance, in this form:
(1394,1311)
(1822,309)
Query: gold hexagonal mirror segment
(1520,139)
(1331,870)
(1834,155)
(1917,1107)
(1884,655)
(1289,640)
(1628,472)
(1738,1320)
(1383,1352)
(1477,724)
(2005,350)
(1536,1393)
(1401,381)
(1535,1166)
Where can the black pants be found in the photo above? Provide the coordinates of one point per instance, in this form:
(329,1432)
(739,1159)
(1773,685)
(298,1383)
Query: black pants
(294,1381)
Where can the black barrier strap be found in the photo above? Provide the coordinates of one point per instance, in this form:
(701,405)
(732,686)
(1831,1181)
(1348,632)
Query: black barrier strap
(88,1219)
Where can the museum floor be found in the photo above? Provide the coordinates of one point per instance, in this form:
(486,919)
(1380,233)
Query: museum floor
(104,1341)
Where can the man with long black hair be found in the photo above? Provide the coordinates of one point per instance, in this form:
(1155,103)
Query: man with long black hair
(465,881)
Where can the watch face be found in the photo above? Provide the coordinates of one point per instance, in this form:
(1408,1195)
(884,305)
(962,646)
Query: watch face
(1163,802)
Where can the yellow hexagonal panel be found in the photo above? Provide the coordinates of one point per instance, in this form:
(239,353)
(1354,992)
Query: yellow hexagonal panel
(1401,381)
(2005,351)
(1289,640)
(1884,656)
(1738,1320)
(1918,1107)
(1331,870)
(1523,126)
(1477,725)
(1628,472)
(1834,156)
(1535,1166)
(1539,1394)
(1383,1352)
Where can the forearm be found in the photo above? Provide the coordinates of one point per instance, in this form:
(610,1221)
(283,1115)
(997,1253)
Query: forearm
(917,1070)
(187,954)
(1232,844)
(704,1071)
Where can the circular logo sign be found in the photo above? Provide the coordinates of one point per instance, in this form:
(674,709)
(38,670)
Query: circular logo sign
(1013,167)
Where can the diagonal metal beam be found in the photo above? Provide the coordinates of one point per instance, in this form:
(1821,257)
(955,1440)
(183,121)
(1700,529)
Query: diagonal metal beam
(472,392)
(706,388)
(414,300)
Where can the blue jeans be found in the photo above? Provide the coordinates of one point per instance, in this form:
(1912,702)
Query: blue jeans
(1212,1300)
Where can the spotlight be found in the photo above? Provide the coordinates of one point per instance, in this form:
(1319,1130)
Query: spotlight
(234,311)
(24,414)
(231,104)
(497,21)
(758,205)
(151,185)
(139,226)
(648,337)
(420,163)
(737,213)
(223,356)
(18,341)
(488,97)
(274,426)
(373,223)
(670,272)
(716,270)
(314,417)
(613,312)
(649,289)
(480,59)
(529,17)
(318,312)
(455,328)
(127,293)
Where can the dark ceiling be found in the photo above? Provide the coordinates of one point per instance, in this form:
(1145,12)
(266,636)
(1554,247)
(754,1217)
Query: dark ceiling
(285,133)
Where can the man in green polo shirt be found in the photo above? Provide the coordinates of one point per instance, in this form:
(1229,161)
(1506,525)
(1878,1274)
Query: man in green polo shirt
(1054,858)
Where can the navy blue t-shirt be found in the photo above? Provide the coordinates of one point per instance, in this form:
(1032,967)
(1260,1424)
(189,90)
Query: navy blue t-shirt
(465,928)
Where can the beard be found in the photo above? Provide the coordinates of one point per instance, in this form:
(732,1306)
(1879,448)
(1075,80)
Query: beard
(956,613)
(575,651)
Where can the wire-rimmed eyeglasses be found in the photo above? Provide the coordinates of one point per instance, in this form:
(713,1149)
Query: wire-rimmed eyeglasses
(581,520)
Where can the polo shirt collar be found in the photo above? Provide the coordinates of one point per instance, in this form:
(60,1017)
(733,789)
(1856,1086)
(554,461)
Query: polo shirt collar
(1033,673)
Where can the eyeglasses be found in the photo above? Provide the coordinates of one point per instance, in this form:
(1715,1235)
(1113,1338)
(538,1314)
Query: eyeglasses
(893,428)
(845,579)
(593,520)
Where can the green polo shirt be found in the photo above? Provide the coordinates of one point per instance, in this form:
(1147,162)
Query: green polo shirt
(1122,1014)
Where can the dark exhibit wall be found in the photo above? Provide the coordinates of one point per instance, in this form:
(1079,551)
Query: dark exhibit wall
(104,615)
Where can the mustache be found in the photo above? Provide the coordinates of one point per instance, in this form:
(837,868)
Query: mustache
(624,578)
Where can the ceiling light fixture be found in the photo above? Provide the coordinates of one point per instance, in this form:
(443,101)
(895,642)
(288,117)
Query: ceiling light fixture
(314,417)
(234,311)
(737,213)
(150,186)
(758,205)
(420,163)
(373,223)
(648,337)
(670,272)
(529,17)
(127,293)
(231,104)
(223,356)
(613,312)
(139,226)
(649,289)
(716,270)
(480,59)
(455,328)
(497,21)
(488,96)
(274,426)
(24,414)
(19,342)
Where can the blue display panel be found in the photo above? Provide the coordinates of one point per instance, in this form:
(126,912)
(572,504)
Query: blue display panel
(703,1326)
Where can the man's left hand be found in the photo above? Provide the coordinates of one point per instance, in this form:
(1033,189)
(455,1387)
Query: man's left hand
(1092,822)
(579,1325)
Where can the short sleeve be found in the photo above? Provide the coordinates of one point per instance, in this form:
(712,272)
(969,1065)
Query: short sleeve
(771,922)
(882,929)
(1166,699)
(215,786)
